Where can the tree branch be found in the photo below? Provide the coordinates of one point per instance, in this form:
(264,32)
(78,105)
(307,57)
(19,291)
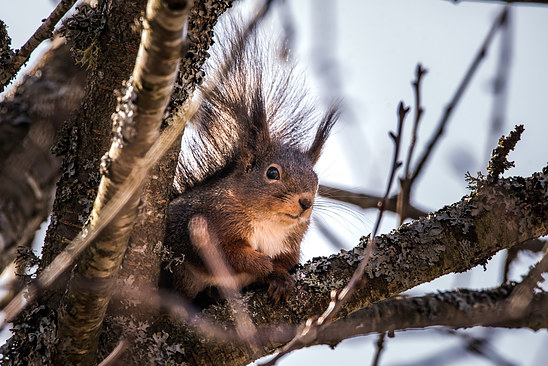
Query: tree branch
(367,201)
(455,309)
(43,32)
(136,126)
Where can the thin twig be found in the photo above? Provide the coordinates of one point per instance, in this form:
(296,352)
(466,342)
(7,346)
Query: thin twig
(366,201)
(404,195)
(499,22)
(419,73)
(42,33)
(116,353)
(315,324)
(380,348)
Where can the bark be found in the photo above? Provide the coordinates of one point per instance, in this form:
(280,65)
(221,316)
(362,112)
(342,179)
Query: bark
(136,127)
(30,118)
(455,309)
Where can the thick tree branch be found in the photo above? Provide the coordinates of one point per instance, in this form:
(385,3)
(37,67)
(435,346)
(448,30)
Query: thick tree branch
(454,239)
(136,127)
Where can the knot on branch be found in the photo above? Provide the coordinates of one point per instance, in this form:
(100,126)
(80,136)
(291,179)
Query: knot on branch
(498,163)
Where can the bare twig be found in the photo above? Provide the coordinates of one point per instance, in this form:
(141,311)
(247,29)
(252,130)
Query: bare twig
(419,73)
(380,348)
(314,325)
(404,195)
(43,32)
(367,201)
(499,22)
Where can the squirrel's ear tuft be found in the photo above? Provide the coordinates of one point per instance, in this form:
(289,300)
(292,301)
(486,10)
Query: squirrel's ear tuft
(255,133)
(322,133)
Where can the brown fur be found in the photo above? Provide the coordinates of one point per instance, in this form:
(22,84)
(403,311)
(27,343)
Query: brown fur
(245,127)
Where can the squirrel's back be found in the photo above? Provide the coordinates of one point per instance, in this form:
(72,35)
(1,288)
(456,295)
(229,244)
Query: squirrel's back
(245,176)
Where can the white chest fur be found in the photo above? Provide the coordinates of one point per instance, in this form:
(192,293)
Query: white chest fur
(269,237)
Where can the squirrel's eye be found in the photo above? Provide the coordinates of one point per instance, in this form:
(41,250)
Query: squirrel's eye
(273,173)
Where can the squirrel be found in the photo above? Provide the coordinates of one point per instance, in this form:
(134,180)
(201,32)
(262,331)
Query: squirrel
(245,181)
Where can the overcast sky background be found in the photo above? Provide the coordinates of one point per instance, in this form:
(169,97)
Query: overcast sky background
(372,51)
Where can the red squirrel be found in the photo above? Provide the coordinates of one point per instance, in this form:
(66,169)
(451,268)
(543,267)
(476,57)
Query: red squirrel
(245,180)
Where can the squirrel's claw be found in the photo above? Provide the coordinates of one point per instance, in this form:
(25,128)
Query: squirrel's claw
(280,287)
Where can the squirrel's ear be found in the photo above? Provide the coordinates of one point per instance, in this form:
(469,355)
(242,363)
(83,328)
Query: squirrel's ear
(322,134)
(256,137)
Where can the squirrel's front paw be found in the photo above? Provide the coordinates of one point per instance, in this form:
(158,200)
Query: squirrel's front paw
(260,265)
(280,286)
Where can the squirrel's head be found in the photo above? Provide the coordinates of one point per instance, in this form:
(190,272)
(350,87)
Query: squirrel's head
(279,186)
(277,178)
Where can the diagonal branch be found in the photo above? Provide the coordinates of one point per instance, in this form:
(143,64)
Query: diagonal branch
(136,126)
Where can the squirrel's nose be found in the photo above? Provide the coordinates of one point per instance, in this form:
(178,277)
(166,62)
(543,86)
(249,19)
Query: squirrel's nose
(305,203)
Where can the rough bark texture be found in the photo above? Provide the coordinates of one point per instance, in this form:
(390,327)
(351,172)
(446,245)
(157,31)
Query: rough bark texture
(456,309)
(86,136)
(136,126)
(30,117)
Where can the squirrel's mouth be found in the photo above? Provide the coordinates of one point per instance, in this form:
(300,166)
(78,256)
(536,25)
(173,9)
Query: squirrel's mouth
(298,217)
